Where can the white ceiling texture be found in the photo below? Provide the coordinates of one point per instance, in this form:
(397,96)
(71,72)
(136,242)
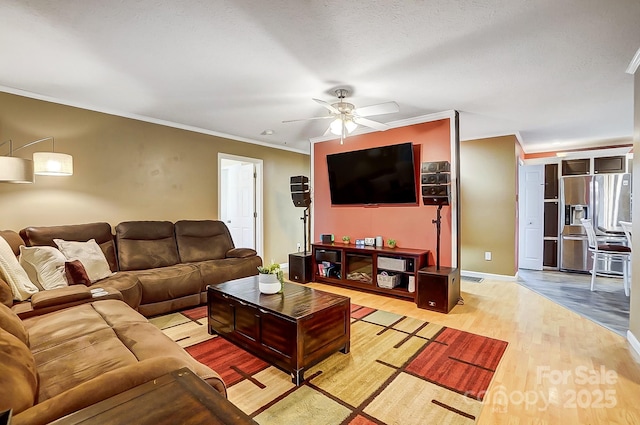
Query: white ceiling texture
(550,71)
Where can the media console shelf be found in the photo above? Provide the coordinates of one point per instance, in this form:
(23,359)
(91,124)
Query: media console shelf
(386,271)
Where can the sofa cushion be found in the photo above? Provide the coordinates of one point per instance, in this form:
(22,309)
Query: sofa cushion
(146,245)
(18,371)
(101,232)
(10,322)
(168,283)
(202,240)
(44,266)
(89,254)
(128,285)
(12,273)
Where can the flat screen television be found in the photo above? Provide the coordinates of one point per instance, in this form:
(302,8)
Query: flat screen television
(381,175)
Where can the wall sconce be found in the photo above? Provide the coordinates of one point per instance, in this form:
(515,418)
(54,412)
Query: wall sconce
(19,170)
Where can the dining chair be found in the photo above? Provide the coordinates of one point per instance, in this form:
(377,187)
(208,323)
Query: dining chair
(607,252)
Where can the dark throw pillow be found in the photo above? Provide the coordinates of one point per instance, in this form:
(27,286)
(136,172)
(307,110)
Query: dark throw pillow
(76,273)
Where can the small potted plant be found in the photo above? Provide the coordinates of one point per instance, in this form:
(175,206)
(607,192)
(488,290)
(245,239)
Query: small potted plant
(346,240)
(391,243)
(270,278)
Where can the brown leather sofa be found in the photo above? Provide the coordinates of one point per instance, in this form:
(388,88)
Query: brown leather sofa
(57,363)
(160,266)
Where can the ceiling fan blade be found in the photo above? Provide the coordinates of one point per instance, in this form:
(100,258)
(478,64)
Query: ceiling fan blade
(309,119)
(370,123)
(379,109)
(327,105)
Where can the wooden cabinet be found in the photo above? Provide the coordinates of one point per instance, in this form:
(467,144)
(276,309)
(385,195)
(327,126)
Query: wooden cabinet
(550,253)
(576,167)
(551,219)
(609,164)
(551,181)
(386,271)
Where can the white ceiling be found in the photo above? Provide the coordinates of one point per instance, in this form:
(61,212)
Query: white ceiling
(551,71)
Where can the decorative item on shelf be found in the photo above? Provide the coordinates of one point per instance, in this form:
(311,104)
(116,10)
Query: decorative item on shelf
(270,279)
(369,241)
(346,240)
(359,242)
(391,243)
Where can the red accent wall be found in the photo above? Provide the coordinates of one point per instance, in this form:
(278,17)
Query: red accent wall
(411,225)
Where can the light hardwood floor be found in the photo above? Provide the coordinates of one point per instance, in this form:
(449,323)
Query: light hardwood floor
(559,367)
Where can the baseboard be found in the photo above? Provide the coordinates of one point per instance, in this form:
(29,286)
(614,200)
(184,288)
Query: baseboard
(635,344)
(490,275)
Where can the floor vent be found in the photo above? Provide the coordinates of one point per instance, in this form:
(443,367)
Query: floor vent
(471,278)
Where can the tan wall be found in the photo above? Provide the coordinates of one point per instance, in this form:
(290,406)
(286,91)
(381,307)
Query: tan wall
(488,209)
(126,169)
(634,309)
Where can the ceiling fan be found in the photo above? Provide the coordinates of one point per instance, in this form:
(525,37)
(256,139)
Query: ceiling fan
(346,117)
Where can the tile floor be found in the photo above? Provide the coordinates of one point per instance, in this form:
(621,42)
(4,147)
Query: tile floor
(607,305)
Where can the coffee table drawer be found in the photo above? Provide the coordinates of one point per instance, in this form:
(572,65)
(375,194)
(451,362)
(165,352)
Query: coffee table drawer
(247,321)
(278,335)
(221,315)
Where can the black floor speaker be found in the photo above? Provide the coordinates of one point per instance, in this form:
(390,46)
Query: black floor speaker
(438,290)
(300,267)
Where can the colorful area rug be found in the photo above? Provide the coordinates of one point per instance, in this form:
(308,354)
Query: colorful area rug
(400,370)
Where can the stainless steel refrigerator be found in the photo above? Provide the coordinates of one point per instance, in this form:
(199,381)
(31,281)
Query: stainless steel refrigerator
(605,199)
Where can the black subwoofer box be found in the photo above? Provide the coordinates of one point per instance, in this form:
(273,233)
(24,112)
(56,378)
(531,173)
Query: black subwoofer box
(300,267)
(438,290)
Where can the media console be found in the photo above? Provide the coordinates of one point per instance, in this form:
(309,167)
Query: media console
(386,271)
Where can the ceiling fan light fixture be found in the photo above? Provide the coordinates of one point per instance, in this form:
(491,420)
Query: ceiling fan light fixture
(336,126)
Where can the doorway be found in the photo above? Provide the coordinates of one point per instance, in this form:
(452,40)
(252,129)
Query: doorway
(240,199)
(530,214)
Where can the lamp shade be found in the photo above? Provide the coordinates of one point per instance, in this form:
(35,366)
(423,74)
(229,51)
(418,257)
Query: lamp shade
(16,170)
(52,164)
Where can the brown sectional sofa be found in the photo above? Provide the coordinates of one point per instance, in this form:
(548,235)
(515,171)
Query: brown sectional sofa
(65,349)
(60,362)
(160,266)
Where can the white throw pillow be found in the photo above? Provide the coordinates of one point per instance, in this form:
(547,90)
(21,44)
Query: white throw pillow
(89,254)
(48,264)
(14,274)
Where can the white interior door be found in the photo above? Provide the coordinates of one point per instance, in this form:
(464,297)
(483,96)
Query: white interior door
(239,195)
(531,213)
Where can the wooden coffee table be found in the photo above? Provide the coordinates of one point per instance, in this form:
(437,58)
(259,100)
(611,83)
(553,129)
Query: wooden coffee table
(292,330)
(179,397)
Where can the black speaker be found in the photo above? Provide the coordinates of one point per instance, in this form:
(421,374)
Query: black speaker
(300,191)
(435,178)
(300,265)
(436,183)
(438,290)
(435,167)
(301,199)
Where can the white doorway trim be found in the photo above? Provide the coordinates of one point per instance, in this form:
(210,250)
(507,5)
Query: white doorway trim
(259,228)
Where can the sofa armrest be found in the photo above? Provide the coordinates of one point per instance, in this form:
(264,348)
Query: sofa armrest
(57,299)
(97,389)
(241,253)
